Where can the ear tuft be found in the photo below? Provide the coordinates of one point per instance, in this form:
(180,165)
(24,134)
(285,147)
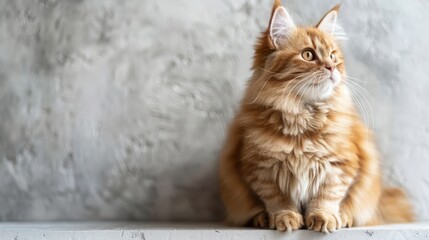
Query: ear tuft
(329,24)
(281,26)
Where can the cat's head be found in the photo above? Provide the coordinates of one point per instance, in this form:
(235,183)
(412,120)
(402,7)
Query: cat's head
(305,63)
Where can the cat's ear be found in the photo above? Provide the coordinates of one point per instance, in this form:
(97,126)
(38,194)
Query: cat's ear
(329,24)
(281,25)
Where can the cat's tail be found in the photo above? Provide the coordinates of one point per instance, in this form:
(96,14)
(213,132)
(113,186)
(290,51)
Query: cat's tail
(394,206)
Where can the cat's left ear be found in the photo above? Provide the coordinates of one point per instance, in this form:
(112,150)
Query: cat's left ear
(330,25)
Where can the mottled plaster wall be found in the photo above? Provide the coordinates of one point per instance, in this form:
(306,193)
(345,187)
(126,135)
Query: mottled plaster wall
(117,109)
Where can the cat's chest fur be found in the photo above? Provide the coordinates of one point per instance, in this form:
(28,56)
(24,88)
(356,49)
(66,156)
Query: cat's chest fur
(296,149)
(307,164)
(301,177)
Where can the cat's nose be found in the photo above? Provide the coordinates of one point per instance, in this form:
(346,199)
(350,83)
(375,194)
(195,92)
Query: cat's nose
(330,68)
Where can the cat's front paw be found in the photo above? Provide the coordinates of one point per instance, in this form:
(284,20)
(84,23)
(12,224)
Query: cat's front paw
(323,221)
(346,218)
(260,220)
(286,220)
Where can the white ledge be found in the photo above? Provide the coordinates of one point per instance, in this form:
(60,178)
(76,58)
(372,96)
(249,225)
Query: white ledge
(188,231)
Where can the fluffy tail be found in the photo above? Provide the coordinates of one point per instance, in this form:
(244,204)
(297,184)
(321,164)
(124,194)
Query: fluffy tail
(395,207)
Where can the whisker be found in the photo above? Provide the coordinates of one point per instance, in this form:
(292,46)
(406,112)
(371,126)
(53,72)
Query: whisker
(303,87)
(371,113)
(358,104)
(358,90)
(358,80)
(286,87)
(259,93)
(268,71)
(265,83)
(297,84)
(316,78)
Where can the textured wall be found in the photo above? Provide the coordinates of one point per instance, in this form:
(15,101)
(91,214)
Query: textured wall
(117,109)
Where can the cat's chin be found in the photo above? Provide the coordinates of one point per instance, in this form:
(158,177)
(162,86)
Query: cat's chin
(320,92)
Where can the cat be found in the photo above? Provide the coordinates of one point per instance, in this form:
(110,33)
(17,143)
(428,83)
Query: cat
(297,154)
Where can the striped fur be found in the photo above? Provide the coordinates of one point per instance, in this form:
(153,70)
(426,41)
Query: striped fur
(296,159)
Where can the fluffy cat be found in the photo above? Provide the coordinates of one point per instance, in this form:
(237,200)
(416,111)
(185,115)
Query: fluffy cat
(297,154)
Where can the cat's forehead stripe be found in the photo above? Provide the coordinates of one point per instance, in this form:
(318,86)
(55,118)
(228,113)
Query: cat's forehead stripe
(318,42)
(313,42)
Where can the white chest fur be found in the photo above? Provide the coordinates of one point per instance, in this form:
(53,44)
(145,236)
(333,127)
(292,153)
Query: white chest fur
(303,172)
(301,179)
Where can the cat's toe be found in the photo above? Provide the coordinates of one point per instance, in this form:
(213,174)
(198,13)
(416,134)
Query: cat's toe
(346,219)
(260,220)
(286,221)
(321,221)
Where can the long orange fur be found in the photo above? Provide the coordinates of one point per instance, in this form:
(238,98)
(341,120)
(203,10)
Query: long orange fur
(290,163)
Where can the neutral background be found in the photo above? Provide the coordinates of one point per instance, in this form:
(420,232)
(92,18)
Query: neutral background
(117,109)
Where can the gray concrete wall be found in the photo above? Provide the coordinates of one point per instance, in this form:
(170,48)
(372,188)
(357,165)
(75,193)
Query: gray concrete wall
(117,109)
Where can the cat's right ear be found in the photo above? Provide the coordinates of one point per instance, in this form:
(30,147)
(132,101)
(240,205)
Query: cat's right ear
(281,25)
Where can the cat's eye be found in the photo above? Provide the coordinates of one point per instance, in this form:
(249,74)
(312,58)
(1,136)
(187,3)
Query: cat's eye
(307,55)
(333,57)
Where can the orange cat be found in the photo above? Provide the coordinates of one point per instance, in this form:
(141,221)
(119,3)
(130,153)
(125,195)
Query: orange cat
(297,153)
